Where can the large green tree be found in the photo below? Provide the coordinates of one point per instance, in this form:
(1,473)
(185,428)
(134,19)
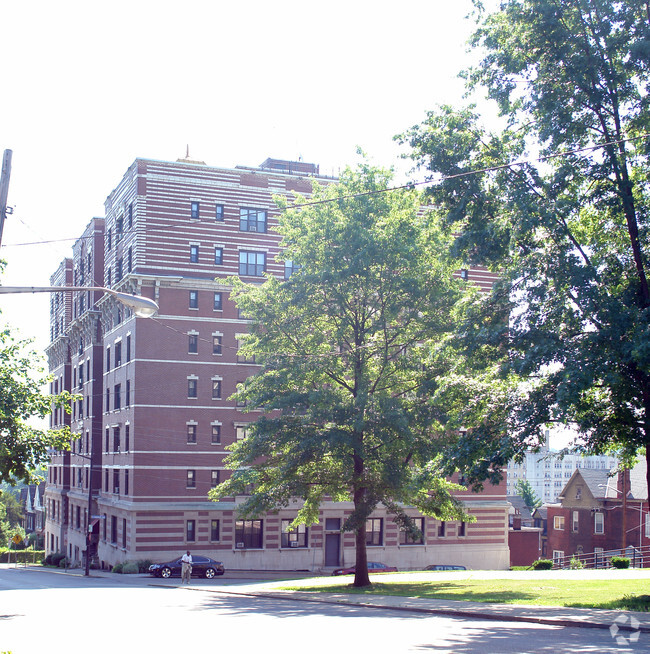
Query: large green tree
(557,201)
(23,446)
(351,349)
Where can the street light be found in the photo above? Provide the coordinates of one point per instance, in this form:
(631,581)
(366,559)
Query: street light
(143,307)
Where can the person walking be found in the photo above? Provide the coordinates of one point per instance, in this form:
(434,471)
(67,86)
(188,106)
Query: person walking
(186,567)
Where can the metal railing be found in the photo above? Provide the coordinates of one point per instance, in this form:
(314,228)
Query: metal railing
(639,558)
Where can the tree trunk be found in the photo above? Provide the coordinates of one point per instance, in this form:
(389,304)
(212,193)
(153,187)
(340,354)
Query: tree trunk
(361,577)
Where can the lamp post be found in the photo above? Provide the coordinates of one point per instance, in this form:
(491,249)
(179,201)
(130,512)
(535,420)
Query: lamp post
(142,307)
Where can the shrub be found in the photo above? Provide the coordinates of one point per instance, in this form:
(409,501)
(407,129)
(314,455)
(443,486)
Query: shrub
(576,564)
(620,562)
(143,565)
(130,568)
(57,557)
(542,564)
(64,563)
(117,568)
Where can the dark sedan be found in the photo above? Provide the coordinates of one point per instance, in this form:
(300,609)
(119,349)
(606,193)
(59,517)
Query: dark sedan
(373,568)
(202,566)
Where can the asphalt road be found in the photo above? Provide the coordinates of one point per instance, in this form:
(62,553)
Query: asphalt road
(46,612)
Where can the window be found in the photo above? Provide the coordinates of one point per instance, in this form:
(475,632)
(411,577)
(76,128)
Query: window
(191,433)
(441,529)
(119,228)
(216,389)
(113,529)
(116,439)
(118,397)
(558,557)
(108,358)
(108,399)
(574,521)
(107,441)
(194,253)
(214,478)
(462,529)
(217,340)
(252,220)
(558,522)
(128,347)
(118,354)
(116,481)
(119,269)
(374,531)
(289,268)
(218,302)
(248,534)
(599,523)
(293,537)
(218,256)
(124,533)
(216,434)
(109,238)
(252,263)
(127,432)
(240,431)
(578,492)
(129,260)
(219,215)
(191,479)
(242,358)
(405,538)
(195,210)
(190,531)
(130,216)
(194,299)
(193,343)
(127,394)
(214,530)
(192,387)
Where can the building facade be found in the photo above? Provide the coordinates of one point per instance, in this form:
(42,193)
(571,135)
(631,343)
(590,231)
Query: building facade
(600,511)
(152,415)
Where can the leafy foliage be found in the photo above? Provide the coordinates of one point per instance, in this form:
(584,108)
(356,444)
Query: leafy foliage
(524,488)
(353,347)
(23,448)
(557,201)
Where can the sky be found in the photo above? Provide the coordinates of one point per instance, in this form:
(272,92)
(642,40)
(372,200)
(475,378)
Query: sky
(87,87)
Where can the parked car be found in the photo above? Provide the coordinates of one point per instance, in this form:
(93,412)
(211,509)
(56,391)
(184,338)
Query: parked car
(202,566)
(445,566)
(373,568)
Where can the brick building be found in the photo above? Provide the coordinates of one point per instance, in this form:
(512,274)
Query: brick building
(153,416)
(599,511)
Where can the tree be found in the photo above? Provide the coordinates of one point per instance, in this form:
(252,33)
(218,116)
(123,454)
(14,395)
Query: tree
(526,491)
(558,202)
(351,347)
(23,448)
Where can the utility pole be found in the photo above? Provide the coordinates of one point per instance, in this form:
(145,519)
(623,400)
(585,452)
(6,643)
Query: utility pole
(4,188)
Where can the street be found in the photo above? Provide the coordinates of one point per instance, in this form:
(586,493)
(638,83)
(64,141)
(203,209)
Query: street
(74,614)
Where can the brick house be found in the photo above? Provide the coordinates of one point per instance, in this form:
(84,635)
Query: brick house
(154,419)
(599,511)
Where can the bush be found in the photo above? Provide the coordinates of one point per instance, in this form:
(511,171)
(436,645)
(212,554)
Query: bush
(64,563)
(542,564)
(130,568)
(117,568)
(143,565)
(57,557)
(576,564)
(620,562)
(22,556)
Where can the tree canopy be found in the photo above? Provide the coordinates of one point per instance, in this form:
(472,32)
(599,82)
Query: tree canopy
(557,201)
(352,347)
(24,447)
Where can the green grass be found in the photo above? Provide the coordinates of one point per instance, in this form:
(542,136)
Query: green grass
(630,594)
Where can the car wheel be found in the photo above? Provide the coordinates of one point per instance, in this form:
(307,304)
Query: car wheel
(209,573)
(166,573)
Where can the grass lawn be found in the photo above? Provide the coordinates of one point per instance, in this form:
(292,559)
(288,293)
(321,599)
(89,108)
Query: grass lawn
(630,594)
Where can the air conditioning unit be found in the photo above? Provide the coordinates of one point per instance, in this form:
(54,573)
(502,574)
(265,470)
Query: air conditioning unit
(239,546)
(293,543)
(116,490)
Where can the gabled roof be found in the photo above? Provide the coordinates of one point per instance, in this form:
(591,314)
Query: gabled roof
(518,503)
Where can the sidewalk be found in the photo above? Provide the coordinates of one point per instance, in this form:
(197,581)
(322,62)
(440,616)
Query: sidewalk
(248,583)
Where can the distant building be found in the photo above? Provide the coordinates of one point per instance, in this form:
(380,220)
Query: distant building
(153,419)
(548,473)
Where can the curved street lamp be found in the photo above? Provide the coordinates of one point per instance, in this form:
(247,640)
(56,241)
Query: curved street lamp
(143,307)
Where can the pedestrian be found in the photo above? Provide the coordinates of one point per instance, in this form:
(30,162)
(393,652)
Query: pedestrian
(186,567)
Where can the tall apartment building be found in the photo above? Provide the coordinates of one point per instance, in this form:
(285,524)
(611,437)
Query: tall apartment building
(152,416)
(548,473)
